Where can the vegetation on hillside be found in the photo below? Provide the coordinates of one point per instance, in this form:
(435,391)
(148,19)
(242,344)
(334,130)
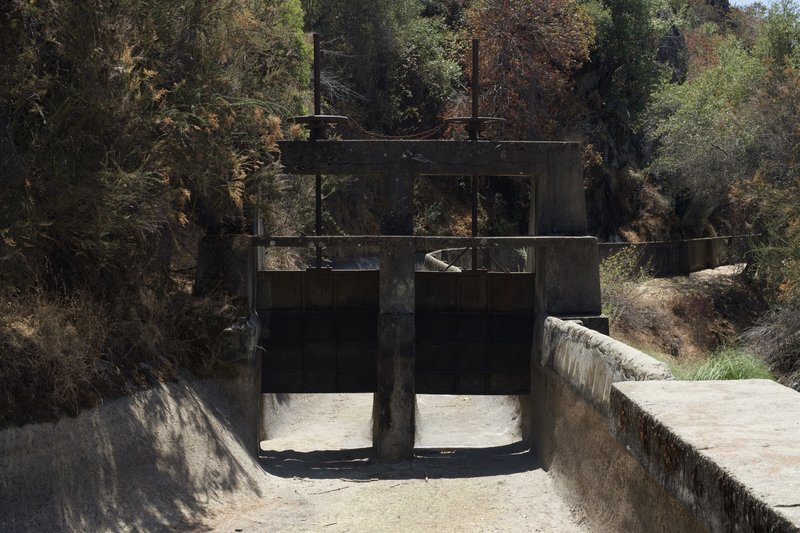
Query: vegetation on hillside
(130,129)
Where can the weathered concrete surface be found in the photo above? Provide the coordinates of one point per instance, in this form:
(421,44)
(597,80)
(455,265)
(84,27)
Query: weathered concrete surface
(438,158)
(165,458)
(570,431)
(394,401)
(729,450)
(590,362)
(593,472)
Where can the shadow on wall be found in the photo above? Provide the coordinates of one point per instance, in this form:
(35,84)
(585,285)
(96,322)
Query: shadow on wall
(163,457)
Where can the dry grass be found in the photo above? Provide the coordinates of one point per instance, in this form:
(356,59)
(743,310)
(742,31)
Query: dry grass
(687,317)
(62,355)
(777,338)
(49,356)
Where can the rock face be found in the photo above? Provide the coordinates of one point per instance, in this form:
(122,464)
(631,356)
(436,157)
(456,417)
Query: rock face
(672,52)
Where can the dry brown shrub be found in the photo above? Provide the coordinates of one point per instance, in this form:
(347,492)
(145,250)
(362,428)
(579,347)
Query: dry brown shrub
(49,356)
(60,355)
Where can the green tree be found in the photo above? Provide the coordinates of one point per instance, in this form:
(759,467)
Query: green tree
(779,35)
(385,65)
(704,143)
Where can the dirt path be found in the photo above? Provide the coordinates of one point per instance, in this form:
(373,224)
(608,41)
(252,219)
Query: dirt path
(470,473)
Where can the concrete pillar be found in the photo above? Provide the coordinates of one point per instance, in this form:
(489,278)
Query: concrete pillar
(394,403)
(569,275)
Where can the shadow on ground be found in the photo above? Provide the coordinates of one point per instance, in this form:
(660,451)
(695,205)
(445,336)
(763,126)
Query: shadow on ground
(359,464)
(157,460)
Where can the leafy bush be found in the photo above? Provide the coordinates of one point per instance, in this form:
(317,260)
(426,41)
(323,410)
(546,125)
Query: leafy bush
(124,122)
(128,129)
(59,355)
(617,272)
(703,145)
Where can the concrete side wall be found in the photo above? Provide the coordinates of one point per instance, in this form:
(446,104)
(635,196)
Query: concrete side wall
(570,431)
(726,449)
(164,458)
(590,362)
(670,258)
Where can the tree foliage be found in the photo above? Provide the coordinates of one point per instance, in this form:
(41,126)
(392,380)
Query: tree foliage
(385,64)
(530,51)
(127,129)
(705,142)
(122,122)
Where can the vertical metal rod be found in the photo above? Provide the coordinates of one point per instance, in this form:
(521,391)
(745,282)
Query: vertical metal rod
(317,91)
(473,135)
(476,89)
(315,134)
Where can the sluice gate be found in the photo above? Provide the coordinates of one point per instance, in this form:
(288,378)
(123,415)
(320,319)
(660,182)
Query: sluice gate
(399,332)
(320,329)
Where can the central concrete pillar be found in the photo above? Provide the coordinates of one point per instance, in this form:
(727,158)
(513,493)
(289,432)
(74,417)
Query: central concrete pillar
(394,403)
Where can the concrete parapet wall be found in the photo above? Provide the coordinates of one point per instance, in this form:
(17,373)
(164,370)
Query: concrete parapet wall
(636,450)
(670,258)
(570,430)
(161,459)
(590,362)
(727,449)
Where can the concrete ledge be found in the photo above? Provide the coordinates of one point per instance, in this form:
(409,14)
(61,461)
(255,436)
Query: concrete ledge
(590,361)
(570,431)
(727,449)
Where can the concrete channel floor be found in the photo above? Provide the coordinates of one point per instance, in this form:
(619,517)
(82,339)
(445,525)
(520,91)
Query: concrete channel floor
(471,472)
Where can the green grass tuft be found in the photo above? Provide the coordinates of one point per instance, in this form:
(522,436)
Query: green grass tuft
(727,363)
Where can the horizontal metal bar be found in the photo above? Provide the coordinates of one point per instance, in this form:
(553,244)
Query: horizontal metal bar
(459,158)
(421,243)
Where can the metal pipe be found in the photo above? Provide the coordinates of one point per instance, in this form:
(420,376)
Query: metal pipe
(422,243)
(476,90)
(317,91)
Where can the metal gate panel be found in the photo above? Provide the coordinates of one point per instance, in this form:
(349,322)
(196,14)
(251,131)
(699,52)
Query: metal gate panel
(474,332)
(319,330)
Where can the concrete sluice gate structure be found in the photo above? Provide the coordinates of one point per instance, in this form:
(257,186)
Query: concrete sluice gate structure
(630,447)
(625,445)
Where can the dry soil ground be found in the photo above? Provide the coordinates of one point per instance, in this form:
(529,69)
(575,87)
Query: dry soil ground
(470,473)
(689,316)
